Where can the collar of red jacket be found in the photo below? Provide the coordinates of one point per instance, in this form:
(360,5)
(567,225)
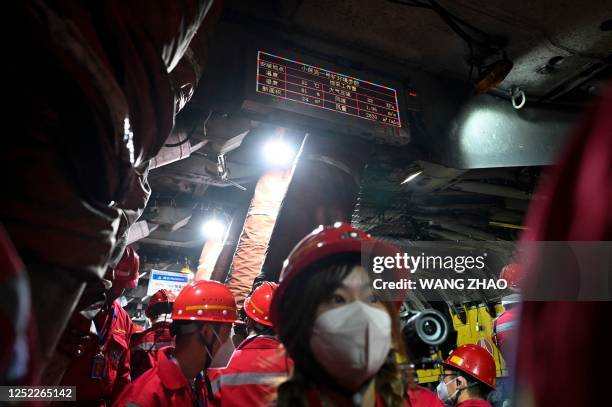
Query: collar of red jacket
(159,325)
(170,373)
(260,342)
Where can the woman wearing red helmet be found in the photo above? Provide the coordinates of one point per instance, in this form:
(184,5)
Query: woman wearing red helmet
(344,341)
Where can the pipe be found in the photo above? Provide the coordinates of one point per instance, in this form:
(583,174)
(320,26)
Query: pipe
(321,192)
(221,267)
(173,243)
(168,155)
(507,225)
(255,236)
(208,258)
(491,189)
(454,226)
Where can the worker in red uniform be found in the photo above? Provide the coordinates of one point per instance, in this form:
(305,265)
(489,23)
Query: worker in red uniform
(504,326)
(420,396)
(137,331)
(202,318)
(143,349)
(100,367)
(114,83)
(468,378)
(259,364)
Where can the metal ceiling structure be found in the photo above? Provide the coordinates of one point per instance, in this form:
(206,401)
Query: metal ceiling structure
(561,53)
(535,32)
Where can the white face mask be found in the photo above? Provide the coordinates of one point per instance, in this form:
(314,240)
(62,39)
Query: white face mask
(222,356)
(209,351)
(442,392)
(351,342)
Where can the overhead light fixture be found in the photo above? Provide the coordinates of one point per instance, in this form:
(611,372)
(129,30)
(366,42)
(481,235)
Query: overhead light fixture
(214,229)
(278,152)
(412,175)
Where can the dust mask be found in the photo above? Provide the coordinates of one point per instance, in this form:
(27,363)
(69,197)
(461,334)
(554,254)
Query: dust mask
(208,347)
(351,342)
(442,392)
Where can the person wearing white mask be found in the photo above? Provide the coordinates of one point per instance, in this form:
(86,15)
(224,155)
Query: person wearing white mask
(468,378)
(202,316)
(344,341)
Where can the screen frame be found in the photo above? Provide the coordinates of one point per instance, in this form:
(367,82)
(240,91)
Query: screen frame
(291,113)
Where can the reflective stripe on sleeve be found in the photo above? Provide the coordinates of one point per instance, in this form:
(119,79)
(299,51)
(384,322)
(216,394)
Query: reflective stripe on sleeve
(238,379)
(152,345)
(506,326)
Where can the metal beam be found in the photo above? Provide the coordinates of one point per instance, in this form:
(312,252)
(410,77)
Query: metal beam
(489,132)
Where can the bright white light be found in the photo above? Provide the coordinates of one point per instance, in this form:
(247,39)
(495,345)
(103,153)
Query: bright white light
(213,229)
(278,152)
(412,176)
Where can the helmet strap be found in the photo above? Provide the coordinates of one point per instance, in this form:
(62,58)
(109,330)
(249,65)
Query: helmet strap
(209,346)
(455,397)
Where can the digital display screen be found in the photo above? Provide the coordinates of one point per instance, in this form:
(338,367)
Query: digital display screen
(324,89)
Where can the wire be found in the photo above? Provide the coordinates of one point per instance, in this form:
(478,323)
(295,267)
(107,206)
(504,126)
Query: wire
(190,134)
(459,20)
(460,27)
(186,139)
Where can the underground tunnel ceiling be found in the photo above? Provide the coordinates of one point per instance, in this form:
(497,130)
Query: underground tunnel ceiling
(561,57)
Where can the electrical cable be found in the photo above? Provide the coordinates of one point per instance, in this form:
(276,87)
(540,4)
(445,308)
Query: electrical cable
(190,134)
(453,21)
(460,27)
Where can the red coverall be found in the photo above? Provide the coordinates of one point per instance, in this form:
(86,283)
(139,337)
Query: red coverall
(504,325)
(474,403)
(143,349)
(114,330)
(417,397)
(420,396)
(257,366)
(163,385)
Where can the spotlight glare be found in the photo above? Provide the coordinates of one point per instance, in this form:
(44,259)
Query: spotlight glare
(278,152)
(213,229)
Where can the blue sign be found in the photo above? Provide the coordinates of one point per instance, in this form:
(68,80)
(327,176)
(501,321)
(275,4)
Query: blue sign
(182,279)
(167,280)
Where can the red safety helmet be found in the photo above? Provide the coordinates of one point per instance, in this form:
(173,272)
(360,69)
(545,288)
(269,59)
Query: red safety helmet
(257,306)
(321,243)
(475,361)
(205,300)
(513,273)
(162,296)
(125,275)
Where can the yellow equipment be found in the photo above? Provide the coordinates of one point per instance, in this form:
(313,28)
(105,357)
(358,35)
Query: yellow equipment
(476,329)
